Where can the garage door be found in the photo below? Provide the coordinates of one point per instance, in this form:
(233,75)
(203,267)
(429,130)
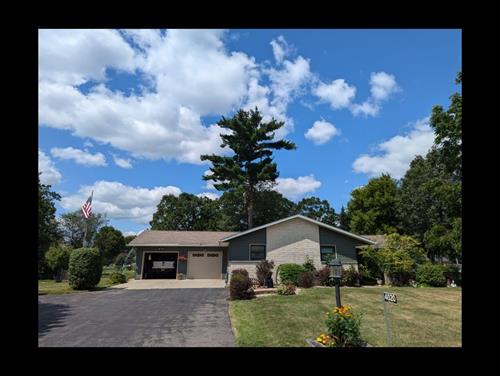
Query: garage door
(204,264)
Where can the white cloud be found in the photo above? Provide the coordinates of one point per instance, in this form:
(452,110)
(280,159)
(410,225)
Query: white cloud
(321,132)
(295,188)
(79,156)
(130,233)
(210,195)
(280,48)
(50,174)
(121,162)
(397,152)
(339,94)
(367,108)
(88,144)
(164,121)
(382,85)
(72,56)
(120,201)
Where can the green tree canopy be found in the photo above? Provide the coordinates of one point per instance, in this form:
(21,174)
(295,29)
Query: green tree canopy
(251,167)
(397,259)
(344,220)
(372,208)
(110,242)
(430,196)
(73,226)
(129,238)
(48,230)
(185,212)
(317,209)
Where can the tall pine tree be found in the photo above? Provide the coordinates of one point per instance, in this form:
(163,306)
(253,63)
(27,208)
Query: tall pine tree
(251,167)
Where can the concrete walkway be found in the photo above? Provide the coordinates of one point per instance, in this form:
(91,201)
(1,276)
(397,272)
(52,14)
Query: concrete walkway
(149,284)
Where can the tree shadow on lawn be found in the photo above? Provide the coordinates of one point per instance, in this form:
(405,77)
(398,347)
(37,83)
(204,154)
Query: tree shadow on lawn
(51,316)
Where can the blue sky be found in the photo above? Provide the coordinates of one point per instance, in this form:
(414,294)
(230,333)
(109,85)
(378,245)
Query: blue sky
(128,112)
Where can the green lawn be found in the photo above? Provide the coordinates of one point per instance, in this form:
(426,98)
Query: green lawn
(422,317)
(49,286)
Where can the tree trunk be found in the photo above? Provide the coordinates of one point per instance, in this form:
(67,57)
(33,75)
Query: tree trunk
(387,279)
(250,210)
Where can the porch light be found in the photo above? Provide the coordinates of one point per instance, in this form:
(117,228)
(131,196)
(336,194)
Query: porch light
(336,275)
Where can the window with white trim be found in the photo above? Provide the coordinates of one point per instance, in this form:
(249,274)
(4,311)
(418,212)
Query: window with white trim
(326,251)
(257,252)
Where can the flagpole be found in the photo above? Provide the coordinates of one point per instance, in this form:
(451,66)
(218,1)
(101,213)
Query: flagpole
(86,219)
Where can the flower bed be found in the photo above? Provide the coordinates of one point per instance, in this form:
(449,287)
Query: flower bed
(343,329)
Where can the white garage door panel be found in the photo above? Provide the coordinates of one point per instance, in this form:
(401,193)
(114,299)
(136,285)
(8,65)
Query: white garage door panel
(204,264)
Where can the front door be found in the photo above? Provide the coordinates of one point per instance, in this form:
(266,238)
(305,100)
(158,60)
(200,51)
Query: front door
(160,265)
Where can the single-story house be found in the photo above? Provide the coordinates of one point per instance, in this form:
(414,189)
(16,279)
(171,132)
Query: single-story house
(214,254)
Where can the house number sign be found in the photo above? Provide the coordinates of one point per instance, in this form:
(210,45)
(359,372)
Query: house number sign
(391,298)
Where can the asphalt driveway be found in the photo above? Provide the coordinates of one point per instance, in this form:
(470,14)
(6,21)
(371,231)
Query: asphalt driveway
(130,318)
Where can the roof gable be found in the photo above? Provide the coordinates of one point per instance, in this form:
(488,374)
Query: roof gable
(299,216)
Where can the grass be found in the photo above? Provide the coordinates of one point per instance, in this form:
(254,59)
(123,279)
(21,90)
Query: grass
(50,287)
(423,317)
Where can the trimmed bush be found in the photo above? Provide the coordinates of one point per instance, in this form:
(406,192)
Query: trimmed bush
(117,277)
(350,277)
(431,274)
(290,273)
(286,289)
(323,276)
(85,268)
(264,271)
(241,271)
(240,286)
(306,280)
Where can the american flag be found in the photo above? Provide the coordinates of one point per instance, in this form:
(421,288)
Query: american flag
(87,207)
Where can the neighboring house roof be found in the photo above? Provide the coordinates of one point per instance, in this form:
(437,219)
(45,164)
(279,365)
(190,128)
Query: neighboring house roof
(378,239)
(346,233)
(153,238)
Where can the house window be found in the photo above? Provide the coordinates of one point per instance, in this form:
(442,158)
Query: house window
(326,251)
(257,252)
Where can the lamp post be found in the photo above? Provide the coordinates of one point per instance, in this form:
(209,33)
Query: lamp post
(336,274)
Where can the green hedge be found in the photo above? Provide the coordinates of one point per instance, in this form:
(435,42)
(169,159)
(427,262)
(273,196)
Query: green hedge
(85,268)
(117,277)
(290,273)
(431,274)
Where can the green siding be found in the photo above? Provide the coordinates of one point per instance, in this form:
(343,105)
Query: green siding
(345,245)
(239,247)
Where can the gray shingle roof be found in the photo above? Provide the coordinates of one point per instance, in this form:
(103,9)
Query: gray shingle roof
(154,237)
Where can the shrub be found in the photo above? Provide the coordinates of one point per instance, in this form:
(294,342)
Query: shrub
(241,271)
(85,268)
(286,289)
(306,280)
(343,327)
(309,265)
(290,273)
(367,277)
(323,276)
(431,274)
(350,277)
(452,272)
(264,271)
(57,258)
(117,277)
(240,286)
